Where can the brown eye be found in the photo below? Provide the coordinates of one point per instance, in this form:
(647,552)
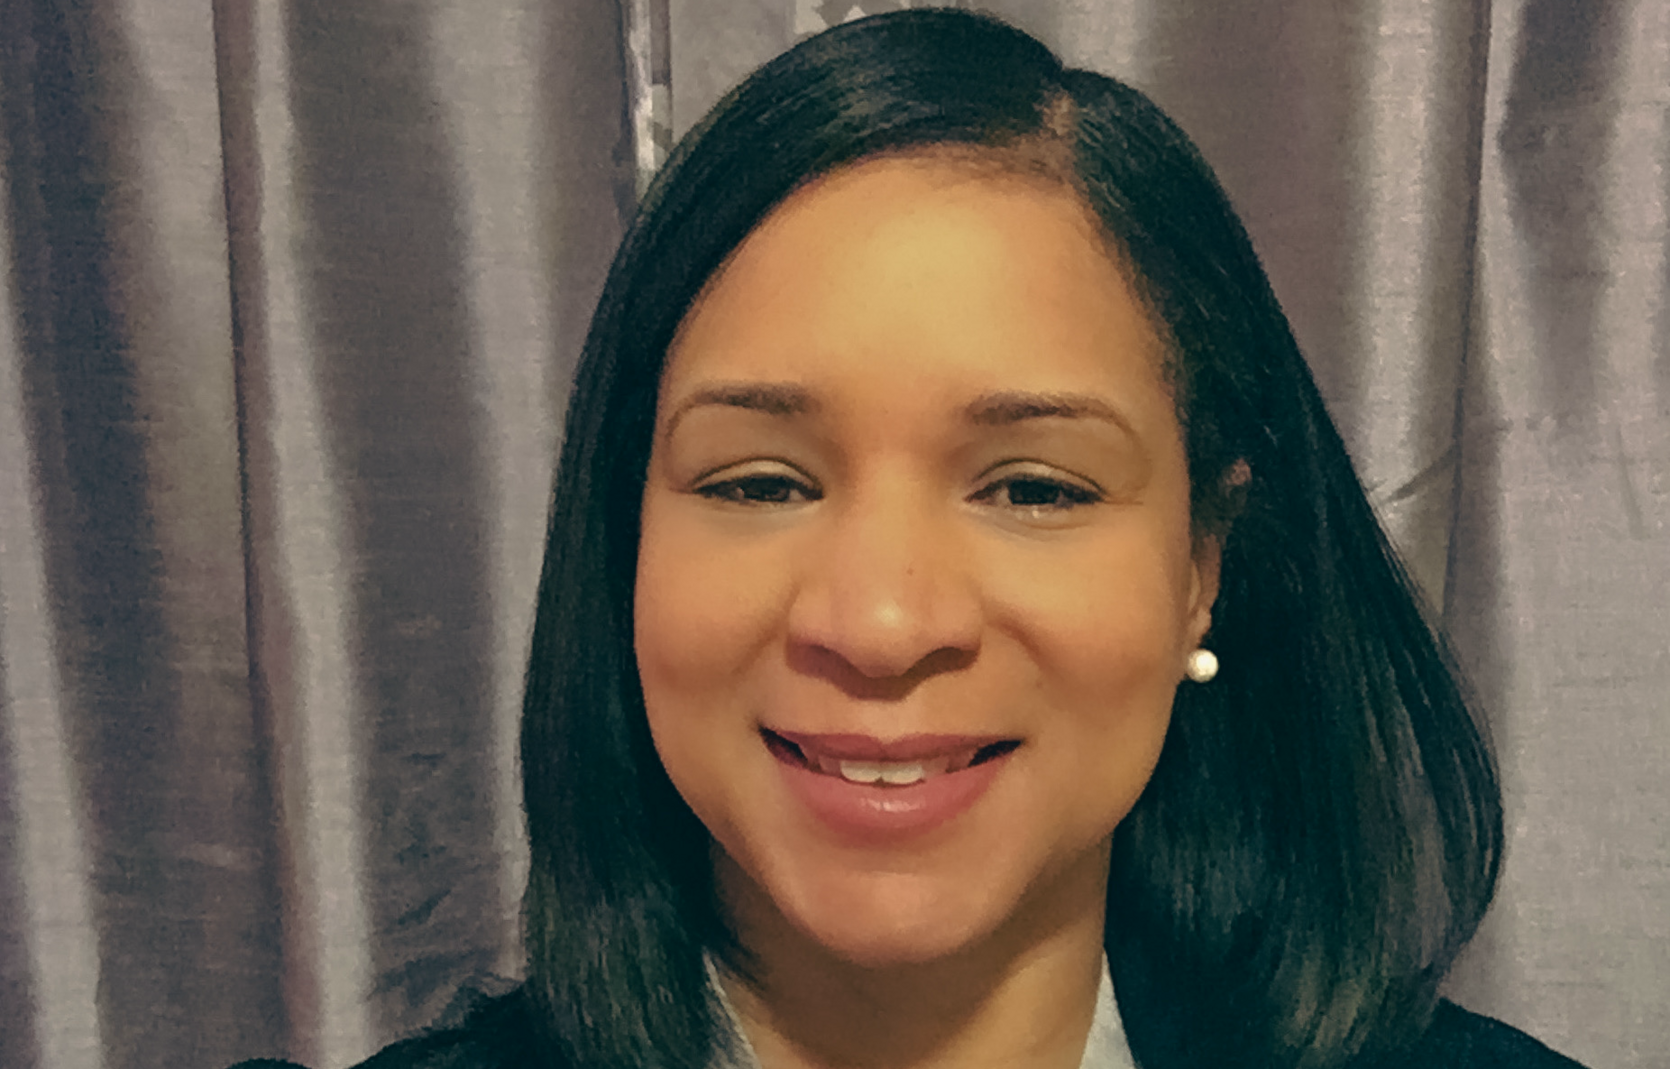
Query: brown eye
(764,489)
(1036,493)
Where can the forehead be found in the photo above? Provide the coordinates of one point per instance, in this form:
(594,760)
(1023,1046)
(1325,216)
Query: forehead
(919,265)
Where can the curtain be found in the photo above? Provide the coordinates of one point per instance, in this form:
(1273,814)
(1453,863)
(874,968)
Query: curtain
(291,293)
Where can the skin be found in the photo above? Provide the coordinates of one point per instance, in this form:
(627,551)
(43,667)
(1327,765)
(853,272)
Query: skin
(917,469)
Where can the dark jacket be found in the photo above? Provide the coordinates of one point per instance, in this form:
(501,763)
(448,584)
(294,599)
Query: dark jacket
(499,1035)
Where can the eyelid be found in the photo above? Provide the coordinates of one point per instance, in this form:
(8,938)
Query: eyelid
(709,483)
(753,466)
(1072,494)
(1038,471)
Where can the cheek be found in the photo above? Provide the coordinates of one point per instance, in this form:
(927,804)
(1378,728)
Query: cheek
(1106,635)
(1107,617)
(677,677)
(1118,675)
(1116,698)
(701,621)
(692,615)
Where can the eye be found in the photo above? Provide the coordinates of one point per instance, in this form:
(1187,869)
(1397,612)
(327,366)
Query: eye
(1033,492)
(760,488)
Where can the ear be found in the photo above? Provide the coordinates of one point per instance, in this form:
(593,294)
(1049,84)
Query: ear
(1203,586)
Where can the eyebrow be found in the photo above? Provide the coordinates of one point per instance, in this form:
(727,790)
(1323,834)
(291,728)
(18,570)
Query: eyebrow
(1010,407)
(773,399)
(990,410)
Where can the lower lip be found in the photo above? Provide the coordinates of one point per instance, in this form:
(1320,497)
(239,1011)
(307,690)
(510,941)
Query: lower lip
(868,813)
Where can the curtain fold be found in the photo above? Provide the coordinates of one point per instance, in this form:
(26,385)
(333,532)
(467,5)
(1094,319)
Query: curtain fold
(1561,599)
(294,292)
(291,293)
(130,512)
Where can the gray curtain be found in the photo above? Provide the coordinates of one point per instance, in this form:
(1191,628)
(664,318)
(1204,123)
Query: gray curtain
(292,289)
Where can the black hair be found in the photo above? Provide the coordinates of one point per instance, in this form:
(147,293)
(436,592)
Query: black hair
(1323,830)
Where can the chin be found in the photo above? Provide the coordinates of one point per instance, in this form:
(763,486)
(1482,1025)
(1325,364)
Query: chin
(906,909)
(906,944)
(893,920)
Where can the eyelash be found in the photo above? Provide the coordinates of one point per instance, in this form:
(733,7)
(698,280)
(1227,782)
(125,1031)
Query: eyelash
(1066,495)
(762,488)
(771,488)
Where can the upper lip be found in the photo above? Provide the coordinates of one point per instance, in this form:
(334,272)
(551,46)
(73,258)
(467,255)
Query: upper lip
(920,747)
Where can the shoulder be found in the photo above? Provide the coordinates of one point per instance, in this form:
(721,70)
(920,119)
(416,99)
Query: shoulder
(1461,1039)
(497,1033)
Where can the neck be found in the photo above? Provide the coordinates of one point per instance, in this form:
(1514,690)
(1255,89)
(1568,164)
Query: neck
(1023,997)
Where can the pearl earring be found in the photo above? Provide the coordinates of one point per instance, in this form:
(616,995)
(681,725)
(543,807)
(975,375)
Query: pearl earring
(1203,665)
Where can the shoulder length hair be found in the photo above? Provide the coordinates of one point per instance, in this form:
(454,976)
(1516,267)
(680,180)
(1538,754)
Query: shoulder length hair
(1323,830)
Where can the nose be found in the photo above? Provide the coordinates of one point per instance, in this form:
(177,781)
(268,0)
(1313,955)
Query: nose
(887,593)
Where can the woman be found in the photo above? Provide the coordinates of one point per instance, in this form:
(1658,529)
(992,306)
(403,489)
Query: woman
(936,439)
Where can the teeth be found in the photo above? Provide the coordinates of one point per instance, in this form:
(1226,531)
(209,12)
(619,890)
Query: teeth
(899,775)
(873,771)
(891,773)
(860,771)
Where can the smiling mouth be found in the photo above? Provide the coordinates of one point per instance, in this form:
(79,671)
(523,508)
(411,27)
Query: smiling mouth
(862,761)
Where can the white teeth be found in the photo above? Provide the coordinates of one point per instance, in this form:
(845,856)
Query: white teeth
(899,775)
(873,771)
(860,771)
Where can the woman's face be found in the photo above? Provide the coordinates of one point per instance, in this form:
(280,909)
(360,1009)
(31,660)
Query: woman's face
(916,582)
